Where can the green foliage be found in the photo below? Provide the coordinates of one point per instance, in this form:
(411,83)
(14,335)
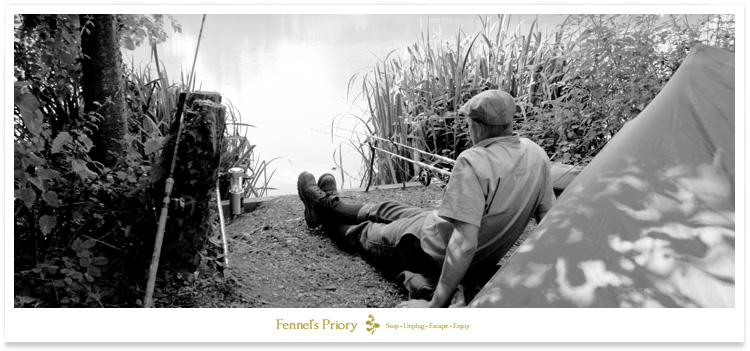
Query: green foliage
(64,201)
(615,65)
(574,88)
(154,98)
(61,196)
(74,281)
(413,100)
(137,28)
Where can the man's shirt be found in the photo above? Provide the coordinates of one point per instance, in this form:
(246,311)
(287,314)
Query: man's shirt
(497,185)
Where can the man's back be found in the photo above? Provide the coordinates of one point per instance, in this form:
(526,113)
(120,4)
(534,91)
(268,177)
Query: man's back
(497,185)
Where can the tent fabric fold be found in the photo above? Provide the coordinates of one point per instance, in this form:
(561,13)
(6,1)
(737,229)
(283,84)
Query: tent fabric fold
(650,221)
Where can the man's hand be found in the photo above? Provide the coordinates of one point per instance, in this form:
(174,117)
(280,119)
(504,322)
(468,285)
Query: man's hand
(458,300)
(414,304)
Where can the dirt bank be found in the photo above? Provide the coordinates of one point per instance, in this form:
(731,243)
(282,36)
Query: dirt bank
(277,261)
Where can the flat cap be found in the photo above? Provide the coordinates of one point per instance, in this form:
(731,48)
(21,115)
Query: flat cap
(491,107)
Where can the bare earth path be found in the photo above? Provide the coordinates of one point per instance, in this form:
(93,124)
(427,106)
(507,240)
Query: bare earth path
(278,261)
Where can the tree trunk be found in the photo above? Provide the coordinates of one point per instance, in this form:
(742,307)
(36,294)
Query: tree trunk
(102,85)
(195,176)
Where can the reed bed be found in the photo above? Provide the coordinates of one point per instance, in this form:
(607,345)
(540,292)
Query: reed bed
(412,100)
(574,85)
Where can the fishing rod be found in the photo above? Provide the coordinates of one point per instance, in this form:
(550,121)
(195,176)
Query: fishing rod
(452,162)
(442,158)
(148,299)
(418,163)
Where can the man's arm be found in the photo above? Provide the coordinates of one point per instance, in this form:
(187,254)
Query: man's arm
(548,195)
(458,255)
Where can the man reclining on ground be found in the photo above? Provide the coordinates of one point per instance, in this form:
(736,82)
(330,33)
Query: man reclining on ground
(495,188)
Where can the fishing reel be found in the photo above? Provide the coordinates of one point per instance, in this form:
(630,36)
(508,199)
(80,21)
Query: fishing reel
(425,176)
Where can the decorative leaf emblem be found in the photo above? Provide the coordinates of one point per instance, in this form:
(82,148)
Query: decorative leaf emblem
(373,325)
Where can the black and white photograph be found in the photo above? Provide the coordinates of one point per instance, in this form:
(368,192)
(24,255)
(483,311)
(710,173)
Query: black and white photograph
(320,170)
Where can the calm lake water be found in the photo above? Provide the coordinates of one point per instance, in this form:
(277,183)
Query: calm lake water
(288,75)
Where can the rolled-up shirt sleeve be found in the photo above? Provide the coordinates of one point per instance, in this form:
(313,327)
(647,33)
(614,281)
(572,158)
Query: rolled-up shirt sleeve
(464,198)
(548,195)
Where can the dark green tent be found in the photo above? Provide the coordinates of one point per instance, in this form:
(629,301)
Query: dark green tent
(650,221)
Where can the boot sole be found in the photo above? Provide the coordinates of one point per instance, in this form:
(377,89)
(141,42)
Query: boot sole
(310,218)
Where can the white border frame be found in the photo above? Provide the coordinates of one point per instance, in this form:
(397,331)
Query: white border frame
(259,325)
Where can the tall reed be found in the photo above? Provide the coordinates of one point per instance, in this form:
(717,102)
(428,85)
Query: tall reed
(413,99)
(574,85)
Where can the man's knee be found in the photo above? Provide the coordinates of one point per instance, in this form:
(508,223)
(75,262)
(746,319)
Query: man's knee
(414,258)
(346,235)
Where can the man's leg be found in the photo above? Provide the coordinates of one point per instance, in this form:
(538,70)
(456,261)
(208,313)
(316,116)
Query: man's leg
(323,206)
(388,211)
(396,243)
(388,231)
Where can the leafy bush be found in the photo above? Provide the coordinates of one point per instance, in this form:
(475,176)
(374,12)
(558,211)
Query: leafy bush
(63,196)
(83,232)
(615,65)
(80,228)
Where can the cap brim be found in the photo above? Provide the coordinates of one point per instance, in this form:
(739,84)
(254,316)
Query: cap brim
(464,109)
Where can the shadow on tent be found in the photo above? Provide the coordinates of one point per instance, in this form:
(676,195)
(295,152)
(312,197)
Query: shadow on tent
(650,222)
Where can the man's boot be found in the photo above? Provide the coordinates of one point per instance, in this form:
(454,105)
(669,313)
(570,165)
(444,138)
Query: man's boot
(310,194)
(327,183)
